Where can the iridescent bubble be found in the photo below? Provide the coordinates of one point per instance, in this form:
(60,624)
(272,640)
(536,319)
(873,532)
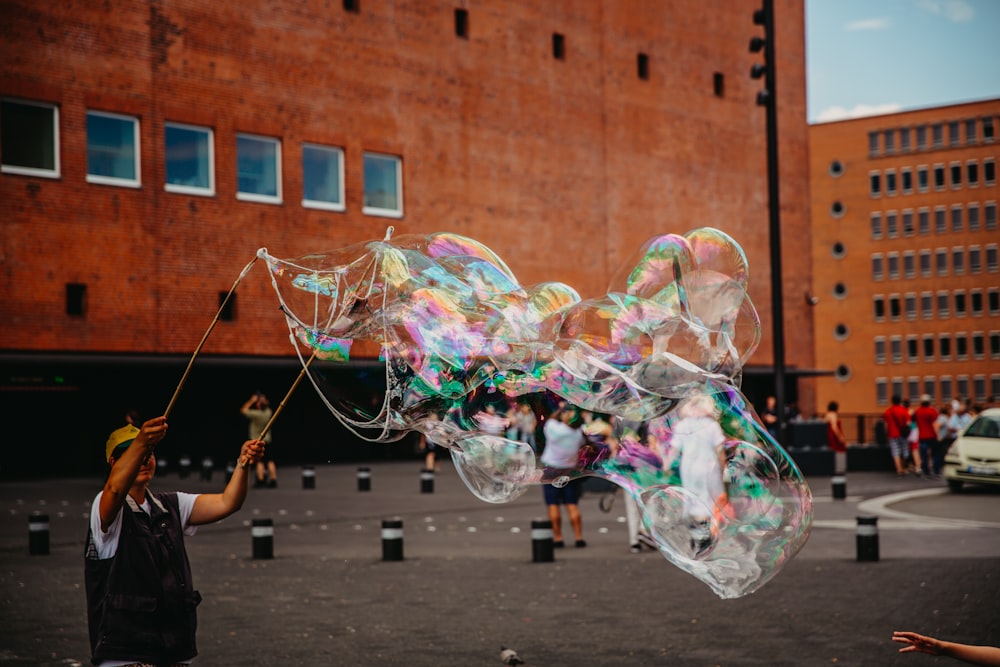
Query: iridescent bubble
(461,343)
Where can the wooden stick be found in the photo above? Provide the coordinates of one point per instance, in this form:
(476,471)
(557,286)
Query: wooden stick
(281,406)
(218,315)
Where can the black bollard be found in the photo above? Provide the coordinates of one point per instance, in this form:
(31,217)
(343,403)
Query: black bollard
(867,538)
(426,481)
(364,479)
(206,469)
(308,477)
(392,539)
(263,538)
(839,486)
(542,542)
(38,535)
(184,466)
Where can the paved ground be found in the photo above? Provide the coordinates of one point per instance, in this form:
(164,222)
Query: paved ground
(467,584)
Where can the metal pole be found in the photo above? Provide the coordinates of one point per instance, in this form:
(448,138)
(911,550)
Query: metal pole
(774,226)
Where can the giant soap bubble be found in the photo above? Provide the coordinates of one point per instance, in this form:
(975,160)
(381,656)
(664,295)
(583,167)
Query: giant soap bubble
(660,355)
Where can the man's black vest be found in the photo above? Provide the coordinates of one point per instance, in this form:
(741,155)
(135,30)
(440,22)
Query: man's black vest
(141,603)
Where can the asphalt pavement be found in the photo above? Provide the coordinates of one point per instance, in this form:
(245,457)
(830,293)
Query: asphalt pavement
(467,583)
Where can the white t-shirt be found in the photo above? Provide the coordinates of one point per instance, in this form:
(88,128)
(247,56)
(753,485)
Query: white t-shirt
(107,543)
(562,444)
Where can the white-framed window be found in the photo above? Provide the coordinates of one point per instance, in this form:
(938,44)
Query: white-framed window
(878,307)
(895,307)
(923,181)
(925,263)
(882,391)
(978,345)
(945,381)
(258,169)
(939,177)
(956,175)
(975,259)
(113,149)
(189,155)
(892,261)
(937,135)
(991,257)
(910,305)
(880,349)
(940,220)
(958,260)
(877,266)
(990,216)
(944,346)
(979,387)
(961,306)
(971,136)
(989,171)
(976,302)
(890,141)
(875,183)
(383,185)
(924,220)
(873,143)
(957,219)
(876,224)
(954,133)
(943,304)
(972,216)
(962,385)
(908,229)
(913,387)
(988,132)
(896,349)
(995,384)
(921,137)
(930,385)
(904,140)
(897,386)
(323,177)
(906,180)
(890,182)
(995,347)
(909,264)
(29,138)
(941,261)
(928,343)
(972,173)
(892,224)
(993,300)
(927,305)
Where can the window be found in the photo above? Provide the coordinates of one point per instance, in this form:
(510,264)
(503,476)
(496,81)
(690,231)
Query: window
(890,141)
(958,260)
(882,391)
(993,300)
(904,140)
(972,216)
(972,173)
(29,138)
(642,66)
(190,159)
(975,259)
(227,306)
(891,225)
(880,349)
(112,149)
(892,261)
(928,341)
(941,261)
(989,171)
(961,352)
(873,144)
(990,216)
(876,223)
(939,177)
(979,388)
(930,387)
(922,174)
(925,263)
(896,349)
(906,175)
(875,183)
(991,258)
(970,131)
(976,302)
(322,177)
(954,136)
(956,218)
(908,223)
(877,272)
(913,387)
(987,130)
(910,305)
(890,181)
(944,347)
(558,46)
(353,6)
(946,388)
(960,306)
(995,349)
(878,304)
(76,299)
(956,175)
(937,135)
(258,165)
(927,305)
(462,23)
(995,385)
(943,304)
(894,307)
(924,221)
(909,264)
(921,137)
(383,185)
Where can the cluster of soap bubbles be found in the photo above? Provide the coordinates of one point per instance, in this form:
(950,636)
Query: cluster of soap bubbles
(659,356)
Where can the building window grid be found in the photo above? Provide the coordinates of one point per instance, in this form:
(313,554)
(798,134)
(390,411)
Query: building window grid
(979,387)
(993,300)
(995,385)
(904,140)
(897,386)
(873,144)
(921,132)
(912,348)
(937,135)
(994,345)
(878,307)
(962,385)
(960,303)
(895,307)
(944,347)
(924,221)
(875,183)
(954,134)
(906,180)
(889,138)
(961,347)
(987,126)
(909,264)
(908,229)
(971,137)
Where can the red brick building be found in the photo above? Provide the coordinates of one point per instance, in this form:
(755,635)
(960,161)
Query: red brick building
(150,148)
(905,255)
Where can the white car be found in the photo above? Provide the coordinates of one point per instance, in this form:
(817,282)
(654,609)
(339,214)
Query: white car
(974,457)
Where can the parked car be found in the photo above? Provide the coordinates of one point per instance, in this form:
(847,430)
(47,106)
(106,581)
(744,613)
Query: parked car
(974,457)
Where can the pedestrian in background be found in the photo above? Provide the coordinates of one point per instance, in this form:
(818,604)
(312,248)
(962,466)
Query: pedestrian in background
(563,440)
(258,412)
(924,417)
(141,600)
(897,425)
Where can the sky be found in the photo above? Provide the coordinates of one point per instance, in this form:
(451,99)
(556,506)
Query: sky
(869,57)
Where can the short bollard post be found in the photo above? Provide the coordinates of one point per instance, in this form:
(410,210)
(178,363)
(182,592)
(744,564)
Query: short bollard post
(392,539)
(206,469)
(364,479)
(839,486)
(867,538)
(308,477)
(263,538)
(542,542)
(184,466)
(426,481)
(38,535)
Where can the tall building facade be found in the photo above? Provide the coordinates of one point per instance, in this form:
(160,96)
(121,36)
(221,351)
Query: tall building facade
(150,148)
(904,212)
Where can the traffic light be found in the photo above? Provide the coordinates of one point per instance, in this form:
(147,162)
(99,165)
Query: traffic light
(758,44)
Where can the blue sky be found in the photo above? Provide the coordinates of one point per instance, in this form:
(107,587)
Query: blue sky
(866,57)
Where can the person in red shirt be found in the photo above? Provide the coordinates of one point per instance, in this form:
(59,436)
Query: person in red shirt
(925,416)
(897,426)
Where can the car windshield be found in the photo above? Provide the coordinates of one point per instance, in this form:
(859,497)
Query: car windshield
(984,427)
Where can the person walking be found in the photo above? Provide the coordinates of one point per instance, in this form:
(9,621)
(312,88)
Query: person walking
(141,600)
(924,417)
(897,425)
(258,412)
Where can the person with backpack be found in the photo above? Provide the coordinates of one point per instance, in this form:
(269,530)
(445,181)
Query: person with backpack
(897,426)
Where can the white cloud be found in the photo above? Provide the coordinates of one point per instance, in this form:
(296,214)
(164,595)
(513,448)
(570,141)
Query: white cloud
(868,24)
(956,11)
(859,111)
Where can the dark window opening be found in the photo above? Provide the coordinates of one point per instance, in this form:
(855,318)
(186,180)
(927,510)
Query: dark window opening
(76,299)
(558,46)
(642,65)
(462,23)
(352,6)
(719,84)
(227,312)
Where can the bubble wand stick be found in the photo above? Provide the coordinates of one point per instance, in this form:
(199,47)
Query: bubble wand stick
(197,350)
(281,406)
